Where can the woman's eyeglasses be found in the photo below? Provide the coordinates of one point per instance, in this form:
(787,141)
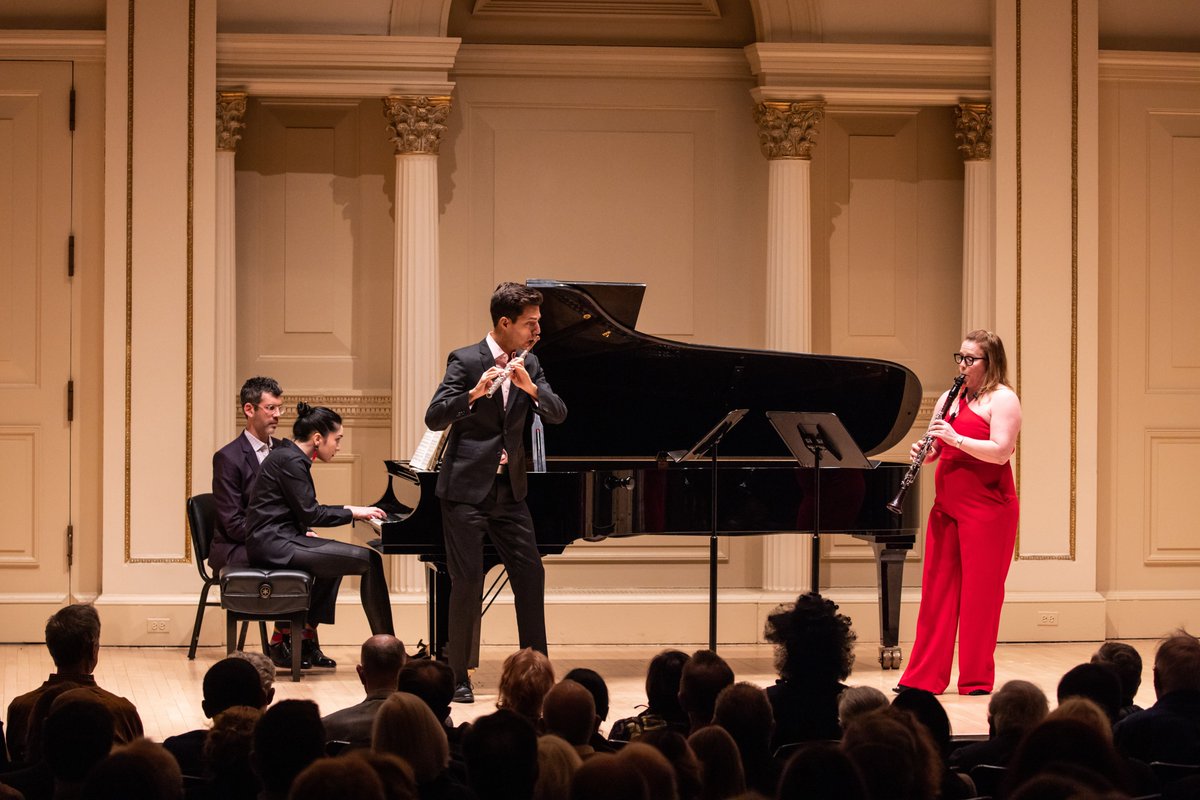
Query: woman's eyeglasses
(959,358)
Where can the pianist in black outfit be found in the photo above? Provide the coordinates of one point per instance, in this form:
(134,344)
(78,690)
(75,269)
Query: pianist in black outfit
(482,484)
(282,511)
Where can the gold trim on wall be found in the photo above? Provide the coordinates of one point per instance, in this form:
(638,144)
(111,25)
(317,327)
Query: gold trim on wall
(353,408)
(190,259)
(1074,466)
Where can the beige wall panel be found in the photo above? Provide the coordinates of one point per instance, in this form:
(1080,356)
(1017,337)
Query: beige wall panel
(1170,524)
(18,475)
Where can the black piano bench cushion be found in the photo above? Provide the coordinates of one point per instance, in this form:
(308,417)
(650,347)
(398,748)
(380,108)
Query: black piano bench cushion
(249,590)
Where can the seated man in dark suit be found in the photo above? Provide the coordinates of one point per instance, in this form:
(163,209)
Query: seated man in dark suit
(379,665)
(1170,729)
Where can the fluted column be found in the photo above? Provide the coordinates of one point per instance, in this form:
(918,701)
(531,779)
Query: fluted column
(973,130)
(231,108)
(416,125)
(787,132)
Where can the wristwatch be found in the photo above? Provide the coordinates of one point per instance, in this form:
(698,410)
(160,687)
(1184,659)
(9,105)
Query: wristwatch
(958,442)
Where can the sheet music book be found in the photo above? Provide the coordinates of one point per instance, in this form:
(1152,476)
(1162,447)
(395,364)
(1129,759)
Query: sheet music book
(429,451)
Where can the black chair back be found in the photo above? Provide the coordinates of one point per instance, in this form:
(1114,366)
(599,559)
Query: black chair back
(987,778)
(202,516)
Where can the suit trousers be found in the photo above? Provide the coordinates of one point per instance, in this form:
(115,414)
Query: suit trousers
(506,522)
(332,560)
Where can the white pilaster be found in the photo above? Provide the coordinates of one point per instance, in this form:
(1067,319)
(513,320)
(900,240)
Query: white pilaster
(974,134)
(231,107)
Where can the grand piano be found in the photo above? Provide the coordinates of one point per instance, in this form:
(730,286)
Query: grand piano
(632,397)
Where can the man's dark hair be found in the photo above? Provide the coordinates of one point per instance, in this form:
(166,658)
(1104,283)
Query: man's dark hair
(72,633)
(744,711)
(929,711)
(231,682)
(1017,707)
(140,770)
(314,419)
(1126,662)
(288,738)
(254,388)
(591,680)
(662,682)
(76,736)
(1096,682)
(432,681)
(703,677)
(510,299)
(814,644)
(1177,663)
(501,754)
(570,712)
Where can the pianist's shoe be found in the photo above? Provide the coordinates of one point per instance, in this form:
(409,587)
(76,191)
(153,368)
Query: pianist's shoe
(281,655)
(310,652)
(463,693)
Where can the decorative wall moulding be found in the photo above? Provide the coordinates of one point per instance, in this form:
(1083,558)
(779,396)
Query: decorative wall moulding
(706,10)
(353,408)
(1148,66)
(702,64)
(52,45)
(320,66)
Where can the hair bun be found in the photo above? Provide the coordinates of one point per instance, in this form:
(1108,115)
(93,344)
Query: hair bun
(303,409)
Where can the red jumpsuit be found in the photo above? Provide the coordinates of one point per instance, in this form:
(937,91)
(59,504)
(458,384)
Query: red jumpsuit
(968,549)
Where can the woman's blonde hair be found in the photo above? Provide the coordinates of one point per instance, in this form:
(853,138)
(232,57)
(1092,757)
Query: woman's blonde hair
(525,678)
(996,372)
(404,726)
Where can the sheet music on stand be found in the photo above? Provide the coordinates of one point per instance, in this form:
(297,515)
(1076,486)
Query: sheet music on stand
(429,452)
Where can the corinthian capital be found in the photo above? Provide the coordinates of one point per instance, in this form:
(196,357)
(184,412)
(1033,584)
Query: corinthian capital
(231,107)
(416,124)
(788,130)
(973,129)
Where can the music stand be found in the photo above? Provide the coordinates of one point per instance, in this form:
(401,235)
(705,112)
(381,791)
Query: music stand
(709,443)
(818,440)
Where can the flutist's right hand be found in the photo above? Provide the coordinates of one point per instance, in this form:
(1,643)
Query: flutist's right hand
(485,381)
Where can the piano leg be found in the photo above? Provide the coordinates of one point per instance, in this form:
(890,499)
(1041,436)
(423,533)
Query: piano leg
(891,579)
(437,584)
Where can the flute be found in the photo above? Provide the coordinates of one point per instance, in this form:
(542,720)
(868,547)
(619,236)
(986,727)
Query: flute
(499,380)
(897,504)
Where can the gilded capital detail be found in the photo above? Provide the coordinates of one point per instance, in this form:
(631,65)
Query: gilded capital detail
(973,129)
(416,124)
(788,130)
(231,107)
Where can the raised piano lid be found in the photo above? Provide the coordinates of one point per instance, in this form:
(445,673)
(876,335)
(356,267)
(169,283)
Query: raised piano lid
(632,395)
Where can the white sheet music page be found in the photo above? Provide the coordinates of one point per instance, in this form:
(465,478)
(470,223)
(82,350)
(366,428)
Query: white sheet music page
(426,456)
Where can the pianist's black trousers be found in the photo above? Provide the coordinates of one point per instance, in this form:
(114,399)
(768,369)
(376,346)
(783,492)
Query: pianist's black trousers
(506,522)
(328,563)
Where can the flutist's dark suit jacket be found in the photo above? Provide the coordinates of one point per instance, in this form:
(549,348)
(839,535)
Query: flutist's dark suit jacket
(472,451)
(479,502)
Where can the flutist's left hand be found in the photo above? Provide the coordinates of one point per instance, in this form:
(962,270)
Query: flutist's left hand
(520,378)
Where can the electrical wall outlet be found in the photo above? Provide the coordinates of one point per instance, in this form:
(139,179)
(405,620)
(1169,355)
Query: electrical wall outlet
(158,625)
(1048,618)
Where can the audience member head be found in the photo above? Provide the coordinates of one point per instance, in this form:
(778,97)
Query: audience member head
(393,771)
(288,738)
(227,749)
(231,682)
(814,644)
(603,777)
(557,762)
(662,684)
(654,768)
(821,771)
(1127,663)
(76,735)
(140,770)
(335,778)
(1097,682)
(929,712)
(265,668)
(1085,711)
(34,738)
(432,681)
(687,768)
(894,754)
(525,678)
(501,752)
(570,712)
(406,727)
(1066,783)
(1058,744)
(1177,664)
(721,770)
(1016,708)
(591,680)
(379,662)
(73,639)
(744,711)
(855,700)
(702,679)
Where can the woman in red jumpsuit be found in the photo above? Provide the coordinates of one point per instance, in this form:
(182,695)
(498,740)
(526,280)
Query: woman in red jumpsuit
(972,526)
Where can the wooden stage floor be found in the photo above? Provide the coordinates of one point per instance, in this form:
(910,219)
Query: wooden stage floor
(166,687)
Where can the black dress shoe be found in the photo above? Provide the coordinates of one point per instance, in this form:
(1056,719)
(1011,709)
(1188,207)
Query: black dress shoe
(422,650)
(463,693)
(978,692)
(900,687)
(281,656)
(310,651)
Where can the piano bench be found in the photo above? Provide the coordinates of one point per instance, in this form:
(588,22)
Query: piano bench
(250,593)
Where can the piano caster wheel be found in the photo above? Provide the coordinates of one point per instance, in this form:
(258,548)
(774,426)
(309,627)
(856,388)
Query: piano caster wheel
(890,657)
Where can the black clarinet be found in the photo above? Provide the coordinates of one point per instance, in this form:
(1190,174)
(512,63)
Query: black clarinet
(910,477)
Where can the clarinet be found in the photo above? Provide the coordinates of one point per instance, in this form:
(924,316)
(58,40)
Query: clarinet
(910,477)
(499,380)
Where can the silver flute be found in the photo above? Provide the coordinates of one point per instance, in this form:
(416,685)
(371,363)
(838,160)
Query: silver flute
(499,380)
